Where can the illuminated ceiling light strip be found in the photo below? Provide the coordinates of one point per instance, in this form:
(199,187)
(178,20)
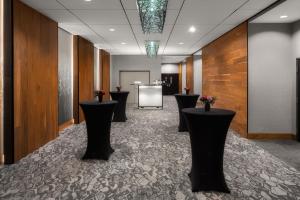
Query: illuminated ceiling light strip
(152,15)
(152,47)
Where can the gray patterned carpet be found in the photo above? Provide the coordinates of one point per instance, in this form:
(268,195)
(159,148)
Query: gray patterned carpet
(151,161)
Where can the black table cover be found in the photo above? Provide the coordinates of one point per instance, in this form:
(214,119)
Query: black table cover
(98,122)
(120,110)
(208,132)
(185,101)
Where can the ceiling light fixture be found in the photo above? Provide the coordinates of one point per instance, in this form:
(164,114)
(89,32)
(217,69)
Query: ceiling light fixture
(152,15)
(180,43)
(123,43)
(283,16)
(192,29)
(87,0)
(112,29)
(152,47)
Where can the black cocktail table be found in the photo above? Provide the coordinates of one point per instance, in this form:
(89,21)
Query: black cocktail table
(185,101)
(208,132)
(98,123)
(120,110)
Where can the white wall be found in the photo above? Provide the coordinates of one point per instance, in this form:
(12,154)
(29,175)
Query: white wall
(133,63)
(97,82)
(65,76)
(296,51)
(198,74)
(169,69)
(272,78)
(183,77)
(296,39)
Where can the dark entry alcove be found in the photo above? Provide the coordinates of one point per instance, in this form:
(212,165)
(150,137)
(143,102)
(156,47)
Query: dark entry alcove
(171,84)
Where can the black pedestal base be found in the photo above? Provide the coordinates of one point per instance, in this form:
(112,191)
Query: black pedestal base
(205,182)
(98,123)
(98,155)
(185,101)
(120,110)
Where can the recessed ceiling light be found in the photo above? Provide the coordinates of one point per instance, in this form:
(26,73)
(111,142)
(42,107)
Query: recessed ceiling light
(283,16)
(87,0)
(112,29)
(180,43)
(192,29)
(123,43)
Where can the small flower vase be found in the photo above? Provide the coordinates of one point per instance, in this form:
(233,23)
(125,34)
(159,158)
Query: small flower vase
(118,88)
(100,97)
(207,107)
(100,94)
(187,91)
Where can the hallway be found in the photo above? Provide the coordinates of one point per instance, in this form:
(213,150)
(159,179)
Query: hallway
(151,161)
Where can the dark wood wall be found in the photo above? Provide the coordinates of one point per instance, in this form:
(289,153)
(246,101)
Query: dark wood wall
(190,73)
(35,79)
(83,75)
(180,77)
(105,73)
(225,66)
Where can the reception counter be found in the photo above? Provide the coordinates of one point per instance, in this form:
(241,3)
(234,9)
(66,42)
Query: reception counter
(150,96)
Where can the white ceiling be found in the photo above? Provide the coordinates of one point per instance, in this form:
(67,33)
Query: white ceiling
(290,8)
(173,59)
(92,20)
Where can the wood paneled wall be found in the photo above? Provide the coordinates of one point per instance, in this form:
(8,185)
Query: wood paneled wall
(83,74)
(180,77)
(190,73)
(35,79)
(105,73)
(225,66)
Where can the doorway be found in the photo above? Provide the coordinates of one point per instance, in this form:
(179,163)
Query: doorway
(298,100)
(171,85)
(127,79)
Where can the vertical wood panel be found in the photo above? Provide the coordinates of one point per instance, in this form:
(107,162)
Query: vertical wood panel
(180,77)
(86,72)
(225,68)
(190,73)
(35,80)
(105,73)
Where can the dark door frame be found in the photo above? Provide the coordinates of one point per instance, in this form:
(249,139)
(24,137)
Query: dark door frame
(298,101)
(8,87)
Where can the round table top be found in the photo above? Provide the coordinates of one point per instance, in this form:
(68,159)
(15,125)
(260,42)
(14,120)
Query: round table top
(212,112)
(97,103)
(187,95)
(121,92)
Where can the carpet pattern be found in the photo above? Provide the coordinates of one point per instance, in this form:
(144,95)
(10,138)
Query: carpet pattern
(151,161)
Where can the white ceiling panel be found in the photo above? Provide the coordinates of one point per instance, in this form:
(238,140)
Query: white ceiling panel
(173,59)
(43,4)
(61,16)
(120,31)
(76,29)
(290,8)
(153,36)
(95,4)
(93,20)
(172,4)
(258,4)
(134,17)
(181,33)
(102,17)
(240,16)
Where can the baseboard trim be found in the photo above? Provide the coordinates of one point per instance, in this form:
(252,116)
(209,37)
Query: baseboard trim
(271,136)
(66,124)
